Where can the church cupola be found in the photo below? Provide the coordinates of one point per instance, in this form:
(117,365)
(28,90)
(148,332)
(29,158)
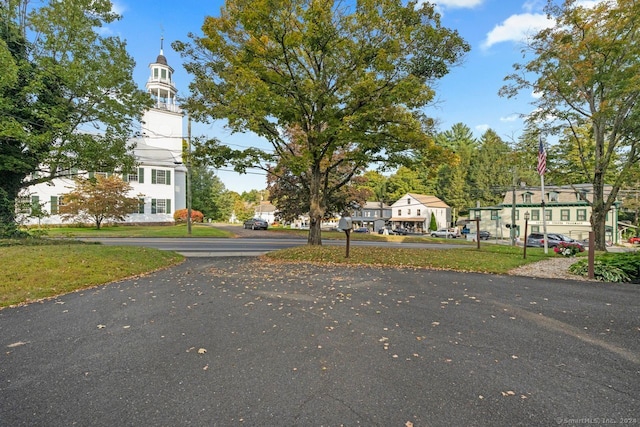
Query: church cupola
(160,84)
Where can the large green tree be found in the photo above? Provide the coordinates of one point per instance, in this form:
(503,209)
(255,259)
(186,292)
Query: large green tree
(492,169)
(350,78)
(67,97)
(586,70)
(209,194)
(453,183)
(405,180)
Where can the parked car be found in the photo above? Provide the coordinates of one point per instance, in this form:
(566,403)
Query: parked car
(484,235)
(553,239)
(362,230)
(399,230)
(256,224)
(634,240)
(444,232)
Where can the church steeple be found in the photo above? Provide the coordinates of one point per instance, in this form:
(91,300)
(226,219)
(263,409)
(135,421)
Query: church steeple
(160,84)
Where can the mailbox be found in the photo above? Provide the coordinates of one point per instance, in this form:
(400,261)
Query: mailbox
(345,223)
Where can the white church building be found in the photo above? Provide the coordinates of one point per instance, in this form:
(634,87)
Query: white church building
(160,178)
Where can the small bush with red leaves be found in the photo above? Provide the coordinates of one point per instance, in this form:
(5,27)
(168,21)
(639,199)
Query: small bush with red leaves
(180,216)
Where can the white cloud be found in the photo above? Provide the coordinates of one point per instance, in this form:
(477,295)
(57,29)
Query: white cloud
(118,7)
(536,95)
(511,118)
(588,3)
(483,128)
(516,28)
(533,5)
(461,4)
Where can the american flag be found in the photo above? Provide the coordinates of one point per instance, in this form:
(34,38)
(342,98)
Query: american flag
(542,158)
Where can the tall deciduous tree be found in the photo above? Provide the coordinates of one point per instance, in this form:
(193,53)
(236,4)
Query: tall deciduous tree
(586,70)
(405,180)
(350,78)
(67,97)
(99,199)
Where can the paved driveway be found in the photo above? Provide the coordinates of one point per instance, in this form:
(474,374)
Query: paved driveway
(238,342)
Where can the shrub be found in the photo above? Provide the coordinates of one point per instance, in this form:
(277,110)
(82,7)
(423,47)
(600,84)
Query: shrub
(180,216)
(612,267)
(568,249)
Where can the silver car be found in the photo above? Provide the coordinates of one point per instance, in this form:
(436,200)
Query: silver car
(444,232)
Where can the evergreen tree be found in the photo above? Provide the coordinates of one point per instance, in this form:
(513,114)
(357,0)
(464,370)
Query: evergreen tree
(491,170)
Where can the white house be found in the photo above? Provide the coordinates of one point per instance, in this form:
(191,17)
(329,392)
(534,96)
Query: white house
(160,178)
(265,210)
(413,211)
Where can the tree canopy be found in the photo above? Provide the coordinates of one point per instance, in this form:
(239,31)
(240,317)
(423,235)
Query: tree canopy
(586,70)
(99,199)
(67,97)
(346,80)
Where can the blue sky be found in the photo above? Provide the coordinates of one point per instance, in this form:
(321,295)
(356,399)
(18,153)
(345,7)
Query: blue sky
(495,29)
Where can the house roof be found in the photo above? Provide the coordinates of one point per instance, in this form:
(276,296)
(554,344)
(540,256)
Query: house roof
(265,207)
(563,193)
(375,205)
(408,218)
(148,154)
(430,201)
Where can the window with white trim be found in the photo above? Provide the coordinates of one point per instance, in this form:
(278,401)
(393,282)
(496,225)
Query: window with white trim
(160,176)
(160,206)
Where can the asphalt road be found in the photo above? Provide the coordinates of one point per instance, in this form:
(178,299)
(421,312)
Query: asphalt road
(246,243)
(241,342)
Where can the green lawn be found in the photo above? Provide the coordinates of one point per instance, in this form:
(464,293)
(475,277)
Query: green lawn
(35,271)
(197,230)
(490,258)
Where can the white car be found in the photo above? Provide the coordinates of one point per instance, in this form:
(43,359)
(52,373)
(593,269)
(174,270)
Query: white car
(444,232)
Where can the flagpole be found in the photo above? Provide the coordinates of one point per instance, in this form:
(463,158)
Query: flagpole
(542,166)
(544,216)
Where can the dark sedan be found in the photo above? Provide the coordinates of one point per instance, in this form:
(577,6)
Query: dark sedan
(256,224)
(484,235)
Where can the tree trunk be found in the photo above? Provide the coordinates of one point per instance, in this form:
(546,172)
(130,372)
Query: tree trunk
(598,213)
(10,185)
(316,209)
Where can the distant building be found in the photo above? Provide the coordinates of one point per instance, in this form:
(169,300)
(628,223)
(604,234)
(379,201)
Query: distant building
(373,215)
(413,212)
(567,212)
(266,211)
(160,176)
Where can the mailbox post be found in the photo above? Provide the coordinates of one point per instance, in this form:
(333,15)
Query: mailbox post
(345,224)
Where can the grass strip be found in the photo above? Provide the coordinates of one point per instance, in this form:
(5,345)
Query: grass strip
(34,272)
(496,259)
(197,230)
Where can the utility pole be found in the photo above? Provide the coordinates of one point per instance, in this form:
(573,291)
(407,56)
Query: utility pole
(513,209)
(189,175)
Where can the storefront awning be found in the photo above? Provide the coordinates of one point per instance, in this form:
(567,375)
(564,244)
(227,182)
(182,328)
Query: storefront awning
(408,219)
